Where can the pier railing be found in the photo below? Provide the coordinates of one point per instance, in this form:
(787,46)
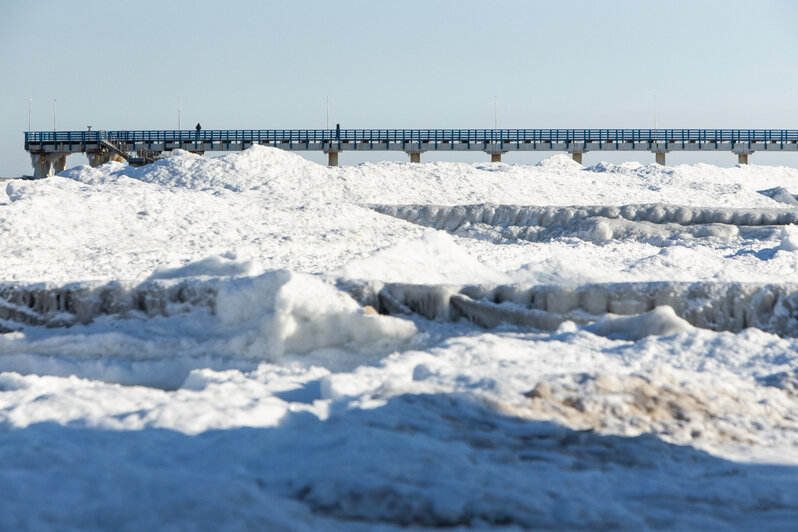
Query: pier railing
(415,135)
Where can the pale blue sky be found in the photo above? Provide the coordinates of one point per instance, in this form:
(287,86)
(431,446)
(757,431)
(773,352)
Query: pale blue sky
(426,64)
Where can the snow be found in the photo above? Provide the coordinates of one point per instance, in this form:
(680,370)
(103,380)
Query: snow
(661,321)
(258,342)
(434,258)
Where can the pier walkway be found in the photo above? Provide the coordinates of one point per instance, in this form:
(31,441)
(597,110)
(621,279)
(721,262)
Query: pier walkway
(49,149)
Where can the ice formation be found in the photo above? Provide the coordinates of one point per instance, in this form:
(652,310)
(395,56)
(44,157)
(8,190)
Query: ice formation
(658,224)
(659,308)
(259,317)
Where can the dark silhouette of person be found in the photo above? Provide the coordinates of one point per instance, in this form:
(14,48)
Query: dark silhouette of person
(338,131)
(198,126)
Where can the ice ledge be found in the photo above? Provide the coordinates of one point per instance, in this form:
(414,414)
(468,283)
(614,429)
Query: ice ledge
(709,305)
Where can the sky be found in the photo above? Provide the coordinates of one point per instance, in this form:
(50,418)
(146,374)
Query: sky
(410,64)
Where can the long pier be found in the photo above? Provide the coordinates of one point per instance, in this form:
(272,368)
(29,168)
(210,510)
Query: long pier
(49,149)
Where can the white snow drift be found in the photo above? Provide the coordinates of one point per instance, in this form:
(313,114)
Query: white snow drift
(258,342)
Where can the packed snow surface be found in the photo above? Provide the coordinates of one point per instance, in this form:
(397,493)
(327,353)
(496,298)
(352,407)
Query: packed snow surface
(257,342)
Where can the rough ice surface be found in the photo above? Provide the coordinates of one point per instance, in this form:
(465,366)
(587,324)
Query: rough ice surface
(244,342)
(716,306)
(657,224)
(252,319)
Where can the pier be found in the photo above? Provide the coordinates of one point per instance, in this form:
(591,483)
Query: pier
(49,149)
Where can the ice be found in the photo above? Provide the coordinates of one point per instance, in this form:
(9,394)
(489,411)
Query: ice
(442,217)
(249,319)
(297,313)
(658,308)
(661,321)
(658,224)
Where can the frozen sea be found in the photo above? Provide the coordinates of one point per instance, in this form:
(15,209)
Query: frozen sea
(257,342)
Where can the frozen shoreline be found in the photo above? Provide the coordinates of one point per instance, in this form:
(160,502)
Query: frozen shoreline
(247,335)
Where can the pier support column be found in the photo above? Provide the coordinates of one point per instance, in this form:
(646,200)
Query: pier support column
(59,164)
(659,157)
(495,157)
(47,164)
(42,166)
(415,157)
(743,151)
(577,156)
(332,158)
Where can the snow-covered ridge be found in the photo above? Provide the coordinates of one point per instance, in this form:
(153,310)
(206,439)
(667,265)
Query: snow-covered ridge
(257,318)
(657,224)
(236,172)
(60,306)
(450,217)
(623,310)
(656,307)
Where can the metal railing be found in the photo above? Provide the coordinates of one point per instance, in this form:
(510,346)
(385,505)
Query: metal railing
(415,135)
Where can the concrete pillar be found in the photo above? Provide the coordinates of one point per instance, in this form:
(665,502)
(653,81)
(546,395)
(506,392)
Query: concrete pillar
(46,164)
(59,164)
(332,158)
(97,159)
(495,157)
(415,157)
(742,158)
(659,157)
(41,165)
(577,156)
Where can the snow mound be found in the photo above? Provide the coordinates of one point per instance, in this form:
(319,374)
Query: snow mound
(285,312)
(647,172)
(219,266)
(662,321)
(559,162)
(435,258)
(789,238)
(108,173)
(15,190)
(236,172)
